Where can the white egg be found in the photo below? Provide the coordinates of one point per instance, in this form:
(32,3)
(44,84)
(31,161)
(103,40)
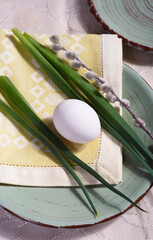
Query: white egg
(76,121)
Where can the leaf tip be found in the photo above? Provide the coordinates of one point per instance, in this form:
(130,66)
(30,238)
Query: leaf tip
(96,214)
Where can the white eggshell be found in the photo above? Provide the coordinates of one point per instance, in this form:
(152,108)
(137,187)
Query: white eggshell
(76,121)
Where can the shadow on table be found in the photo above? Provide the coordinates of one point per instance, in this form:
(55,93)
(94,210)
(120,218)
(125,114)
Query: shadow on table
(137,56)
(80,17)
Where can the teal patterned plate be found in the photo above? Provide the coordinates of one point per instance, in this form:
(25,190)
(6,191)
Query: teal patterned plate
(130,19)
(67,207)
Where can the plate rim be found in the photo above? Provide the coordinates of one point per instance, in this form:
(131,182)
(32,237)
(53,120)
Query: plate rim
(93,10)
(81,225)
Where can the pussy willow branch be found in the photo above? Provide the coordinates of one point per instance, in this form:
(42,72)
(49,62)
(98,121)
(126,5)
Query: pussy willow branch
(119,100)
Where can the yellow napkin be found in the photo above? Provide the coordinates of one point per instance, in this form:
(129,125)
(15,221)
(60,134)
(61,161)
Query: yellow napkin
(26,161)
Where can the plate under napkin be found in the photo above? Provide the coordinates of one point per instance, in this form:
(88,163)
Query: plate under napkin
(26,161)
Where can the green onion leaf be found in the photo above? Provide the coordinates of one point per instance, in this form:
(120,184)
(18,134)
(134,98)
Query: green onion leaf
(15,117)
(49,70)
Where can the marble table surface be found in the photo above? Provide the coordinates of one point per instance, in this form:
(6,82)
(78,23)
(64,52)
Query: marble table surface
(68,17)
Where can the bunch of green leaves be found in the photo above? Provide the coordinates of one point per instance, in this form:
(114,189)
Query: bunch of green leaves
(61,74)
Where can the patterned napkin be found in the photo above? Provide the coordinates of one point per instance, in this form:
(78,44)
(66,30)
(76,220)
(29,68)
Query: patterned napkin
(26,161)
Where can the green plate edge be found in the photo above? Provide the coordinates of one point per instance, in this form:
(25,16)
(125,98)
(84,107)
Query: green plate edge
(130,19)
(67,207)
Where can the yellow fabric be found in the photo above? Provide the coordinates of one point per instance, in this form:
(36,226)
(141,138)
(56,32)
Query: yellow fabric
(17,147)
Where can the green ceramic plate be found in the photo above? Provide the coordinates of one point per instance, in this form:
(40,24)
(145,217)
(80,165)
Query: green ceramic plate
(130,19)
(67,206)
